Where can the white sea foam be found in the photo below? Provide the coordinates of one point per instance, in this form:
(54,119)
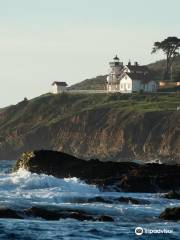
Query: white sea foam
(23,189)
(24,186)
(24,179)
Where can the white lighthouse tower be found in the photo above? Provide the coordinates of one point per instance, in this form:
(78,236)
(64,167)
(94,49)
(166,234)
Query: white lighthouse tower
(115,70)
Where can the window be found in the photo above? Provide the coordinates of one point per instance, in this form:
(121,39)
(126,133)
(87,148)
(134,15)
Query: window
(153,87)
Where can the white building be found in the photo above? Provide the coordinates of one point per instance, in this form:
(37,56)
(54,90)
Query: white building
(130,78)
(59,87)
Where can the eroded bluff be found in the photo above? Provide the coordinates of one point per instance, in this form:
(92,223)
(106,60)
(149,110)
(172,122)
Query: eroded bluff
(103,133)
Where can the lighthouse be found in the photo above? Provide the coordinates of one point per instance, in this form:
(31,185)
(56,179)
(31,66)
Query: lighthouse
(115,70)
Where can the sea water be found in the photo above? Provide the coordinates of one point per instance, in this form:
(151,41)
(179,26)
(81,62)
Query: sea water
(22,189)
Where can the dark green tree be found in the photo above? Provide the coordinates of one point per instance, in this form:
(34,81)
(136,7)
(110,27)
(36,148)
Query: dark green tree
(170,47)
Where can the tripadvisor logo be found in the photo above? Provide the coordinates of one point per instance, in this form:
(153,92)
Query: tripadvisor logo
(138,231)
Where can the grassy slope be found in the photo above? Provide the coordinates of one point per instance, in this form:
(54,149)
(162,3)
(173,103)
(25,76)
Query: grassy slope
(50,108)
(93,83)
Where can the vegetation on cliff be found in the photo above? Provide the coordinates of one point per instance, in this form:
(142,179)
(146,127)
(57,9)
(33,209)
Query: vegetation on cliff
(170,47)
(159,67)
(97,83)
(109,127)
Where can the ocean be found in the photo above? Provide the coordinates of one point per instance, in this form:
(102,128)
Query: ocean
(22,190)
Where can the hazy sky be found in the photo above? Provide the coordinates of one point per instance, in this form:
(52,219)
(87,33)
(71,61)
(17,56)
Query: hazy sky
(70,40)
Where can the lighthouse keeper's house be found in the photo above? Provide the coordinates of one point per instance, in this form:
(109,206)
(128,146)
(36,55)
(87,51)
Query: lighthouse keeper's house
(129,78)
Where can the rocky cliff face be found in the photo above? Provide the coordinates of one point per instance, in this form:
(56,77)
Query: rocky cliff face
(107,131)
(107,134)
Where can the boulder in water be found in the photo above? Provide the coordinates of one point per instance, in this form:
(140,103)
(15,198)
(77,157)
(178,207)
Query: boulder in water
(105,218)
(172,195)
(131,200)
(171,214)
(56,214)
(9,213)
(42,213)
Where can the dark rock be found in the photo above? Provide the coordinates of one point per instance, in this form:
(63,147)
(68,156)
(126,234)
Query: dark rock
(43,213)
(131,200)
(56,214)
(9,213)
(110,200)
(152,178)
(99,200)
(128,200)
(171,214)
(81,216)
(105,218)
(63,165)
(126,176)
(172,195)
(53,214)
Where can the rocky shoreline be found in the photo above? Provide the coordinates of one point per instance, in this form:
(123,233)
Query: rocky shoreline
(52,214)
(119,176)
(171,214)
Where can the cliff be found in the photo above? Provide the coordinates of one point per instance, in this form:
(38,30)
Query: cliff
(107,127)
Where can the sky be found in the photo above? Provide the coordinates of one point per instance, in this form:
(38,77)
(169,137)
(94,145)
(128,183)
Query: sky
(42,41)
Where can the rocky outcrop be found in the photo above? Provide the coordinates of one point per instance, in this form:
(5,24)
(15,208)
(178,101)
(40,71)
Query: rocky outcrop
(131,200)
(127,176)
(50,214)
(105,127)
(53,214)
(9,213)
(124,200)
(63,165)
(172,195)
(152,177)
(171,214)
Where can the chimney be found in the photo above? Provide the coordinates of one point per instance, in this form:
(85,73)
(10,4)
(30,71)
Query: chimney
(136,64)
